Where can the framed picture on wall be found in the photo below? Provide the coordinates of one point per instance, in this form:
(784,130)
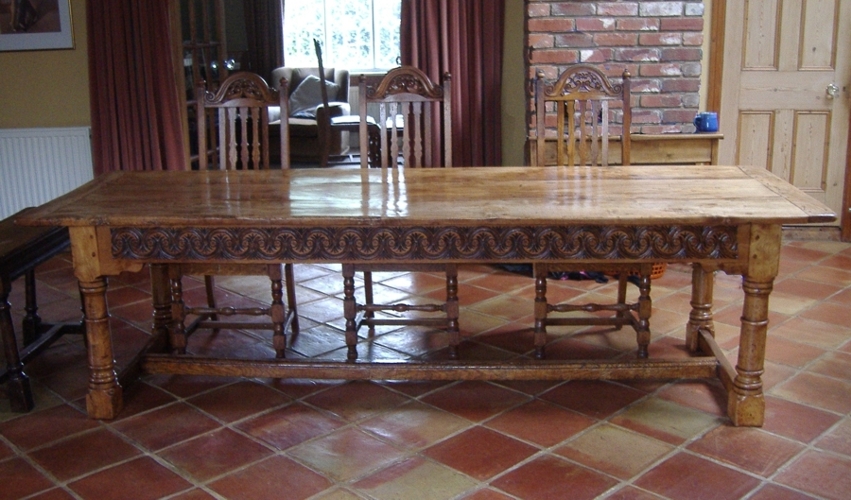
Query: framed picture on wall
(35,25)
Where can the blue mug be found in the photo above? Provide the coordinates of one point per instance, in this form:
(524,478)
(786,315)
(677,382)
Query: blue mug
(706,122)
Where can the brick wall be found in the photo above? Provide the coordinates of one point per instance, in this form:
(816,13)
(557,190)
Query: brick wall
(659,42)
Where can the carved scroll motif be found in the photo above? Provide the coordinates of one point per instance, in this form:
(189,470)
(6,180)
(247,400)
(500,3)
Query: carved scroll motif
(500,244)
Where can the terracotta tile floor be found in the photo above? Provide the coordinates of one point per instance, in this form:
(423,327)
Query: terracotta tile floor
(205,437)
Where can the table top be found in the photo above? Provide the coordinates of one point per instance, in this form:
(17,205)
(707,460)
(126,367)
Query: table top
(631,195)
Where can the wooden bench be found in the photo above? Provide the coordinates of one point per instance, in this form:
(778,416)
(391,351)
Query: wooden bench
(21,250)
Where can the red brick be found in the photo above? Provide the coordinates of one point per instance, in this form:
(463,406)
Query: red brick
(645,85)
(638,55)
(573,9)
(665,38)
(660,69)
(661,101)
(682,24)
(555,56)
(681,54)
(595,24)
(678,115)
(541,41)
(574,40)
(538,9)
(640,116)
(550,25)
(661,9)
(617,9)
(595,55)
(609,39)
(692,38)
(637,24)
(681,85)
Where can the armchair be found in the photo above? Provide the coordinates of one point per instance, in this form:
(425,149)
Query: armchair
(306,136)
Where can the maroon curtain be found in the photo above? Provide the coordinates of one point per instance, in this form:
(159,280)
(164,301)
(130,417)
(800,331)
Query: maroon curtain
(464,38)
(134,105)
(264,26)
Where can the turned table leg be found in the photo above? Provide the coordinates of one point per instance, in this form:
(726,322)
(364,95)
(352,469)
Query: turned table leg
(700,317)
(104,399)
(746,403)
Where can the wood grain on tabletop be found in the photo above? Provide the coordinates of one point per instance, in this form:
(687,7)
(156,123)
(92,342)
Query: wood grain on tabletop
(557,195)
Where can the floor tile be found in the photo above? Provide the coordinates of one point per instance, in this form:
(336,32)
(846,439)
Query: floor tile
(415,425)
(274,477)
(357,400)
(480,453)
(833,364)
(775,492)
(485,494)
(541,423)
(706,395)
(166,426)
(796,421)
(817,390)
(584,397)
(214,454)
(20,479)
(819,473)
(614,450)
(45,426)
(415,478)
(838,439)
(127,479)
(680,476)
(545,478)
(475,401)
(251,397)
(753,450)
(288,426)
(666,420)
(65,460)
(346,454)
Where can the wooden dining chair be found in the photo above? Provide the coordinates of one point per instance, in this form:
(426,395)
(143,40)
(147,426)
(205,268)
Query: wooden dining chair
(414,116)
(584,104)
(233,134)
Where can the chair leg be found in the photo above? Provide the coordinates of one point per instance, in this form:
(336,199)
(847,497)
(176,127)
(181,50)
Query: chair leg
(177,332)
(452,310)
(289,276)
(623,280)
(540,332)
(18,385)
(30,328)
(645,307)
(368,300)
(279,339)
(209,287)
(350,311)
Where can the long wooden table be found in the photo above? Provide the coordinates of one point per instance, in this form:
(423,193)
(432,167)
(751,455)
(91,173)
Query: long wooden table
(718,218)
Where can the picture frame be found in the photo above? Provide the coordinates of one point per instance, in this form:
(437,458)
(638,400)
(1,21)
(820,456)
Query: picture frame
(35,25)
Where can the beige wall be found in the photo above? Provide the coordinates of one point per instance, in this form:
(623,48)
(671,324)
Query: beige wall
(47,88)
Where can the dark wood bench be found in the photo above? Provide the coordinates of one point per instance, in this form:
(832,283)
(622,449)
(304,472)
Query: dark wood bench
(21,250)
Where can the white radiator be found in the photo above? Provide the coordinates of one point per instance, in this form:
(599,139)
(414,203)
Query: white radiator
(39,164)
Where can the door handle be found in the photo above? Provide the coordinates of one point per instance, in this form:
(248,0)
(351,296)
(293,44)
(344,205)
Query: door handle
(831,90)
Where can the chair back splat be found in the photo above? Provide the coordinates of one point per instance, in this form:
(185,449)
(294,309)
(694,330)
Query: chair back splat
(585,105)
(233,124)
(414,120)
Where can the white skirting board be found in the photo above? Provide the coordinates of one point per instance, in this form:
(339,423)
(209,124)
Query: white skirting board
(40,164)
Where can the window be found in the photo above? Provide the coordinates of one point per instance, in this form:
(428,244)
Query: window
(355,34)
